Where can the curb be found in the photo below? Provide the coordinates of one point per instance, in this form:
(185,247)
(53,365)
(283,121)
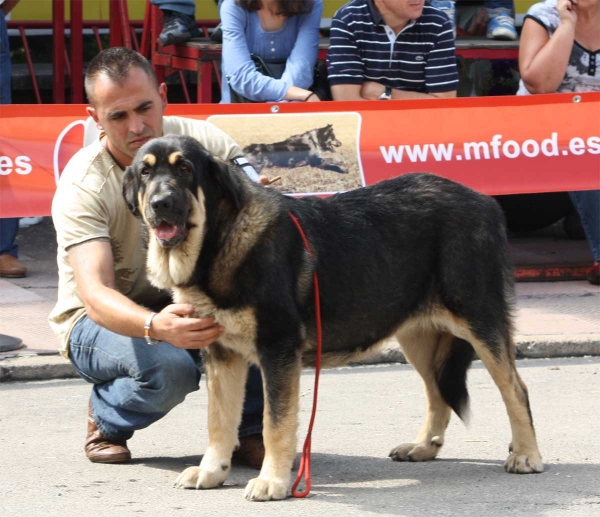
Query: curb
(47,367)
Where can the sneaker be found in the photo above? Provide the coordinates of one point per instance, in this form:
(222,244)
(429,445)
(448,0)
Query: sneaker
(501,24)
(178,28)
(26,222)
(448,7)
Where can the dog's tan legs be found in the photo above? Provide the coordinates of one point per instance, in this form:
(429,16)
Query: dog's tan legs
(280,424)
(226,374)
(421,348)
(524,457)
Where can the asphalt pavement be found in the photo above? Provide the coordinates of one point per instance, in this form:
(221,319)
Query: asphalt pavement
(363,412)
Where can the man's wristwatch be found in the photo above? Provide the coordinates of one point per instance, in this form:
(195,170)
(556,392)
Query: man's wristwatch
(386,95)
(147,337)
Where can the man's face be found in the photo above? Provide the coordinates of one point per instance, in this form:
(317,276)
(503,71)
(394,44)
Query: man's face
(405,9)
(129,113)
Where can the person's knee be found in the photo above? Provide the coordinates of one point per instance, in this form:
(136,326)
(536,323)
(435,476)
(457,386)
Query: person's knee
(168,382)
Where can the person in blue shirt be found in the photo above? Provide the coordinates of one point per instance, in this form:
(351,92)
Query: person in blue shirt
(275,30)
(10,265)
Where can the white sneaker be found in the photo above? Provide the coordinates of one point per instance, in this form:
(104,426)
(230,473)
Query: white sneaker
(26,222)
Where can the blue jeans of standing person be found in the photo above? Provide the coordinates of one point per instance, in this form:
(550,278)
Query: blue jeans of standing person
(8,226)
(494,4)
(136,384)
(587,203)
(187,7)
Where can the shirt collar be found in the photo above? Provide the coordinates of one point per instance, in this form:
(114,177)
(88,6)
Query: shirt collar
(377,18)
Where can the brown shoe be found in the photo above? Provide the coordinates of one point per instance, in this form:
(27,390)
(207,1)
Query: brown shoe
(100,449)
(251,451)
(11,267)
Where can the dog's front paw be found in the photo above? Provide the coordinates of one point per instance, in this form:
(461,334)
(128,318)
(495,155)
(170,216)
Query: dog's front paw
(266,489)
(524,463)
(415,451)
(198,478)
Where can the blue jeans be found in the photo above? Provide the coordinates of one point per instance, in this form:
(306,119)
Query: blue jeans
(9,226)
(179,6)
(494,4)
(136,384)
(587,203)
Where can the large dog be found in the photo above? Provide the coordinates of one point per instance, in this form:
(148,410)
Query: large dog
(419,257)
(315,148)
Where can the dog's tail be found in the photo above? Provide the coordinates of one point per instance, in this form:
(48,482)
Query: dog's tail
(451,376)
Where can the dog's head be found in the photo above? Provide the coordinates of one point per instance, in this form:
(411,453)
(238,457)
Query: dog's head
(326,138)
(174,185)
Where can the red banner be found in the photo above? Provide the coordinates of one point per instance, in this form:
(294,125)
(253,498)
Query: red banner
(497,145)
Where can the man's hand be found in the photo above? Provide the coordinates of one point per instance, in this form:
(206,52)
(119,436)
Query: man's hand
(170,325)
(370,90)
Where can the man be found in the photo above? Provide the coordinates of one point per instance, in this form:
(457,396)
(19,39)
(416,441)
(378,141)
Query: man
(10,265)
(103,317)
(391,49)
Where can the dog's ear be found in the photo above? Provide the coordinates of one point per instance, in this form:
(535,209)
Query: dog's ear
(230,184)
(130,189)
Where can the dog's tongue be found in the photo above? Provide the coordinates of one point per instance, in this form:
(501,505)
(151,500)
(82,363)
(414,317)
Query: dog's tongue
(165,231)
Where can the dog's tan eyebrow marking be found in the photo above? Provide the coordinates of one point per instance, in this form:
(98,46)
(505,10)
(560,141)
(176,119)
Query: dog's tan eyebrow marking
(173,157)
(149,159)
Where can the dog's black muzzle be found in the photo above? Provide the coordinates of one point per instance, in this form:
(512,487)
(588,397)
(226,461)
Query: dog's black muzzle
(167,213)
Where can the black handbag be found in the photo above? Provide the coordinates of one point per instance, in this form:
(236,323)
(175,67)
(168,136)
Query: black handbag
(272,69)
(275,70)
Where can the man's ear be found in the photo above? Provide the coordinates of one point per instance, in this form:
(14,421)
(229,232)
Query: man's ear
(92,113)
(162,91)
(130,190)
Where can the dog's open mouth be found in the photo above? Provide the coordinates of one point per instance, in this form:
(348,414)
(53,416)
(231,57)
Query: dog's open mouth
(170,235)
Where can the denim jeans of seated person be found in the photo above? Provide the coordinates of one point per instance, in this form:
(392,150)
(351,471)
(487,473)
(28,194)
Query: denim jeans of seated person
(136,384)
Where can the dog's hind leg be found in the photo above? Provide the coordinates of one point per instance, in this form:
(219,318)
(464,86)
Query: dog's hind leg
(427,349)
(524,456)
(226,374)
(280,423)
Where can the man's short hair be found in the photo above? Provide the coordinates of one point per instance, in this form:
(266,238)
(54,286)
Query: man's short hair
(115,63)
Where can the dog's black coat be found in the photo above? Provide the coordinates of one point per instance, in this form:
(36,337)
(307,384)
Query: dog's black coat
(383,254)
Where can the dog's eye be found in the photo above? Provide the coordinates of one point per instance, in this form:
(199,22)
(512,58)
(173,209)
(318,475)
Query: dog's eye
(184,168)
(145,171)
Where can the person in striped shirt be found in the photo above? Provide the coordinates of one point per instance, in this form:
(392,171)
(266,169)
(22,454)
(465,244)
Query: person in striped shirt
(391,49)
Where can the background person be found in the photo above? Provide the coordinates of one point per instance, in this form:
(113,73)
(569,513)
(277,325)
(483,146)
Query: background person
(560,52)
(494,18)
(103,312)
(275,30)
(391,49)
(10,265)
(179,21)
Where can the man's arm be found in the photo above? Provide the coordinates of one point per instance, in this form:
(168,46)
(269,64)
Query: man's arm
(371,91)
(345,69)
(93,266)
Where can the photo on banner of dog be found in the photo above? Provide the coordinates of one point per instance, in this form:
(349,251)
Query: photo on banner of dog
(313,153)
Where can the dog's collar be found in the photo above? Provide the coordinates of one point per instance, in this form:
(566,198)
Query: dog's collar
(245,165)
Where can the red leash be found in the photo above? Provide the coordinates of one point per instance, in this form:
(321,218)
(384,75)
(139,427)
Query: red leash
(305,459)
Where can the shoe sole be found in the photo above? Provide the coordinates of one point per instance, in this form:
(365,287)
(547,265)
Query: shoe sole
(113,458)
(502,35)
(15,275)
